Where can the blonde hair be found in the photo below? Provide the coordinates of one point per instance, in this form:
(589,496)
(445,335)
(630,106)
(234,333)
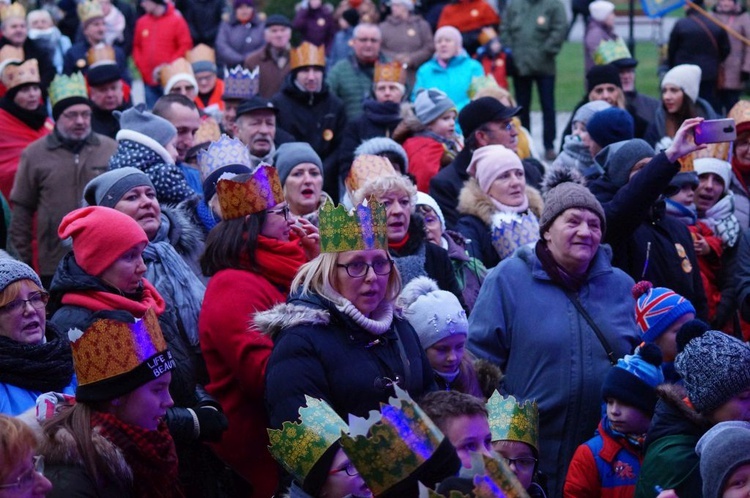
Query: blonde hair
(620,97)
(13,290)
(378,187)
(17,441)
(496,92)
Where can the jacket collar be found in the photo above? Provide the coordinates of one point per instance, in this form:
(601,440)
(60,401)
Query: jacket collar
(53,140)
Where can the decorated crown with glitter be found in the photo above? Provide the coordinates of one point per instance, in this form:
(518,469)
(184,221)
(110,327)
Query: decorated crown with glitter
(298,446)
(224,152)
(88,10)
(64,87)
(363,228)
(99,54)
(366,167)
(259,192)
(307,54)
(401,438)
(513,421)
(18,74)
(13,10)
(117,353)
(241,83)
(610,51)
(491,476)
(389,72)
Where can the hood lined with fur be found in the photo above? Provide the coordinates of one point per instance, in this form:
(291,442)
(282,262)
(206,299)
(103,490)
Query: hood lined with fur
(473,201)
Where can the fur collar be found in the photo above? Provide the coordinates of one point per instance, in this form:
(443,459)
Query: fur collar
(673,395)
(473,201)
(184,235)
(287,315)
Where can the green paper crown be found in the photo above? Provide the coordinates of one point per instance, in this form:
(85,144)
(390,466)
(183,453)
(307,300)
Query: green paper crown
(492,478)
(511,421)
(402,437)
(298,446)
(64,87)
(610,51)
(364,228)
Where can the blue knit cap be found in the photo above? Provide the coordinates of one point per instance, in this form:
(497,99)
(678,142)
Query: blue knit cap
(610,126)
(634,379)
(657,308)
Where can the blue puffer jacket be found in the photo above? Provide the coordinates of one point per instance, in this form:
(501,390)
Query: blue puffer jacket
(524,323)
(454,79)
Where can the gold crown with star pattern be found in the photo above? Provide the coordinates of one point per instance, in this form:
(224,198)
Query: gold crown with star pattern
(513,421)
(14,74)
(13,10)
(491,477)
(89,10)
(393,72)
(65,87)
(298,446)
(307,54)
(258,193)
(363,228)
(392,443)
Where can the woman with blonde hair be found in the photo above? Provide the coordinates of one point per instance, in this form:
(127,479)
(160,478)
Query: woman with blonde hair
(21,470)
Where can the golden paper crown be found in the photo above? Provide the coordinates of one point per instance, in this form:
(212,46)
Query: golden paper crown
(64,87)
(99,54)
(170,73)
(307,54)
(740,112)
(610,51)
(487,35)
(11,53)
(18,74)
(241,83)
(88,10)
(111,348)
(367,167)
(299,445)
(393,72)
(492,478)
(362,229)
(223,152)
(479,83)
(511,421)
(259,192)
(12,10)
(402,438)
(208,131)
(201,52)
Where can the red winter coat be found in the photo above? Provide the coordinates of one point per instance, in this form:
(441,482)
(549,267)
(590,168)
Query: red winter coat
(709,265)
(16,136)
(425,155)
(160,40)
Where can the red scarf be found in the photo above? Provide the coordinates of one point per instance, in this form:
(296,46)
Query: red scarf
(740,170)
(101,300)
(151,455)
(397,246)
(279,261)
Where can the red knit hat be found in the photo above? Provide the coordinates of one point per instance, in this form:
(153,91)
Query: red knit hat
(100,236)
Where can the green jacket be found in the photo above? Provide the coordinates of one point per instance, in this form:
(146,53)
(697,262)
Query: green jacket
(535,30)
(352,84)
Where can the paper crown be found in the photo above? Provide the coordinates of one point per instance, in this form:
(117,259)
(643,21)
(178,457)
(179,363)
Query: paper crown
(362,229)
(175,71)
(307,54)
(64,87)
(99,54)
(367,167)
(259,192)
(479,83)
(511,421)
(223,152)
(88,10)
(392,72)
(241,83)
(208,131)
(492,478)
(10,53)
(487,35)
(610,51)
(12,10)
(201,52)
(113,357)
(299,445)
(14,74)
(401,438)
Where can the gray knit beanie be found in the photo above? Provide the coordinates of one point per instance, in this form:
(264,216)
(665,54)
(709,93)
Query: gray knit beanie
(714,367)
(431,104)
(291,154)
(565,196)
(12,270)
(108,188)
(140,120)
(376,146)
(618,159)
(587,110)
(722,450)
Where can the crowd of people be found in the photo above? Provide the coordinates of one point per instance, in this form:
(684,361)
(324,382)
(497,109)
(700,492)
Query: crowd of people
(342,268)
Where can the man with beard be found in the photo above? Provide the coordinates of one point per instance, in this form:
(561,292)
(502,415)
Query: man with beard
(14,32)
(106,94)
(53,172)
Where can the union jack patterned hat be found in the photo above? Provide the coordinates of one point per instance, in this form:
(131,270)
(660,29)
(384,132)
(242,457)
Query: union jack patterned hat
(657,308)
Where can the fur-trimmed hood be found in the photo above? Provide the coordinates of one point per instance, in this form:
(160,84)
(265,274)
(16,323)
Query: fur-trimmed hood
(473,201)
(184,235)
(287,315)
(673,416)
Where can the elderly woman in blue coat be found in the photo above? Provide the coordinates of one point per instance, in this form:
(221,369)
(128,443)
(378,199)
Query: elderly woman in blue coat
(532,318)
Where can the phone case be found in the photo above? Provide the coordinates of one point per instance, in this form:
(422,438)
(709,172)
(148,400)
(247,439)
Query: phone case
(715,130)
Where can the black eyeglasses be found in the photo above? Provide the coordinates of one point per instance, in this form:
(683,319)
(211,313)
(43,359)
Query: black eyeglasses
(523,464)
(358,269)
(37,300)
(26,480)
(282,211)
(349,468)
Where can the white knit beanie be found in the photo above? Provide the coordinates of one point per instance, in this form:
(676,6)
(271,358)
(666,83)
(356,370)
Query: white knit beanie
(600,9)
(427,200)
(435,314)
(685,76)
(718,167)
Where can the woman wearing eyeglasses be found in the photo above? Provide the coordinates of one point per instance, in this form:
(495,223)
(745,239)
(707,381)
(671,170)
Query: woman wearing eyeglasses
(251,256)
(21,470)
(337,338)
(34,357)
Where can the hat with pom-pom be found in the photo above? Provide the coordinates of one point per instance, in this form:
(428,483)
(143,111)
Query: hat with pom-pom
(563,189)
(657,308)
(435,314)
(715,367)
(634,379)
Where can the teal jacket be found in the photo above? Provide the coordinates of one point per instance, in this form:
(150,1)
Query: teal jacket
(535,30)
(454,79)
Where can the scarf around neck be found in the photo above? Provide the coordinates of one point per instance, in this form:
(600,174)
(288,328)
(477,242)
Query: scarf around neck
(33,119)
(279,260)
(557,273)
(96,300)
(379,321)
(37,367)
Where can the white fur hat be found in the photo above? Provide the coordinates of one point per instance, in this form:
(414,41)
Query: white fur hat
(435,314)
(685,76)
(600,9)
(718,167)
